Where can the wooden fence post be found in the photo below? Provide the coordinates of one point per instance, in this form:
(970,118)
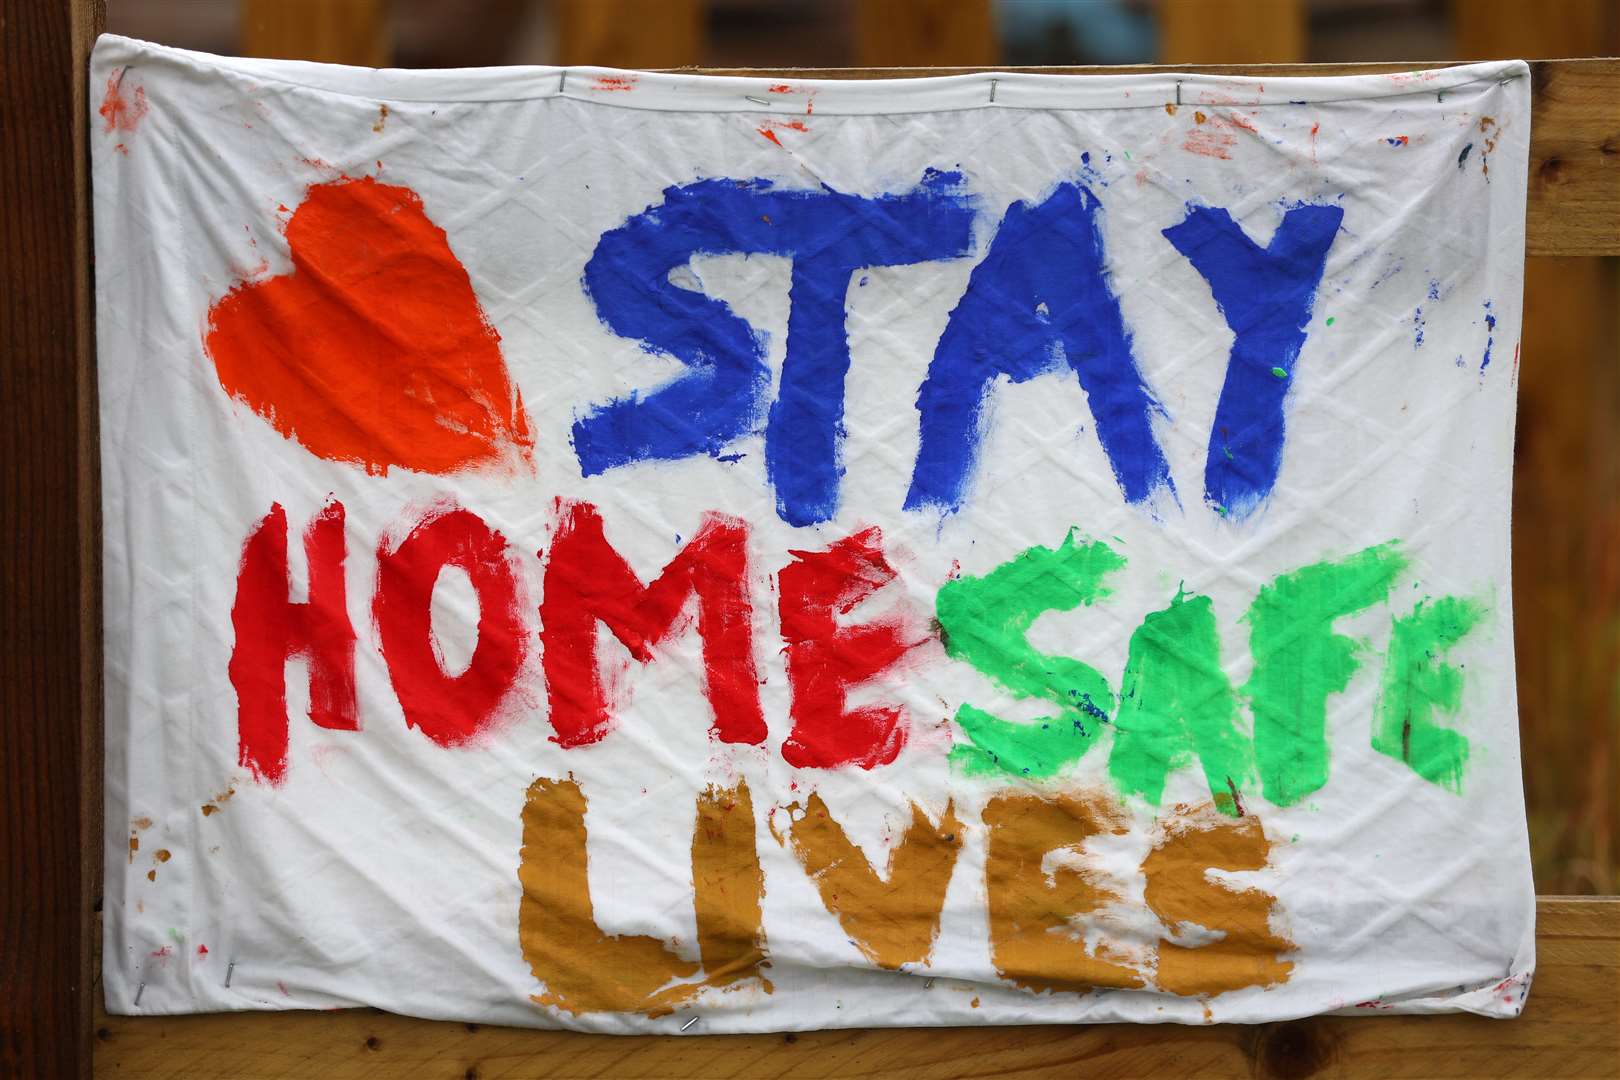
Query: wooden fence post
(49,654)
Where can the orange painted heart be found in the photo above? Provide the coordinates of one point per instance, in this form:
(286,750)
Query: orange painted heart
(374,350)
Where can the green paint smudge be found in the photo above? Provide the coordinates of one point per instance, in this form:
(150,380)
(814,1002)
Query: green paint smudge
(1418,683)
(984,622)
(1176,704)
(1299,662)
(1279,372)
(1330,320)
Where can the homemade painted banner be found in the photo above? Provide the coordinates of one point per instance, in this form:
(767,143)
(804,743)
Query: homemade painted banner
(607,549)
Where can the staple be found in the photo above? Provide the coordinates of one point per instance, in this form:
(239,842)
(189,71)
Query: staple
(758,101)
(139,990)
(928,984)
(562,81)
(689,1023)
(1178,94)
(993,90)
(230,969)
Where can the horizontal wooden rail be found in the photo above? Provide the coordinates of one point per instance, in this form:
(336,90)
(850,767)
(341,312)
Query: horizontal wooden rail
(1574,136)
(1570,1028)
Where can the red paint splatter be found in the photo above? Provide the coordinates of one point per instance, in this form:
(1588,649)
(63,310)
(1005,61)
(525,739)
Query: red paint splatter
(270,628)
(162,955)
(769,128)
(615,82)
(1209,143)
(587,581)
(374,350)
(825,659)
(1398,140)
(122,113)
(283,988)
(1314,129)
(1213,135)
(781,88)
(202,951)
(449,709)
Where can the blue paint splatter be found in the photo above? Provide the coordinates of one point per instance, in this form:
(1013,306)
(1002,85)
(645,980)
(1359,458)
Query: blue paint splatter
(829,235)
(1399,265)
(1490,336)
(1265,295)
(1417,329)
(1463,157)
(1089,172)
(1039,301)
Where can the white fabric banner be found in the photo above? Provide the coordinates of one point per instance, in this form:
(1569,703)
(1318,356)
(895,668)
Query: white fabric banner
(596,549)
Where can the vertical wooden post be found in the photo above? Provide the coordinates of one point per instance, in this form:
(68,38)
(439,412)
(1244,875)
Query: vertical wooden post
(331,31)
(1566,496)
(925,33)
(1231,31)
(630,33)
(49,633)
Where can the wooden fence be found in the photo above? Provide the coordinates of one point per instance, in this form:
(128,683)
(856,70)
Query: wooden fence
(51,1021)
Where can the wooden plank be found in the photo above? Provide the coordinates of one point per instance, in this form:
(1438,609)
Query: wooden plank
(1574,143)
(1513,29)
(1568,1029)
(924,33)
(331,31)
(45,822)
(1231,31)
(1566,499)
(630,33)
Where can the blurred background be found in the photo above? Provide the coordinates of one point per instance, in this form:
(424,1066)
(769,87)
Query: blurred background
(1566,530)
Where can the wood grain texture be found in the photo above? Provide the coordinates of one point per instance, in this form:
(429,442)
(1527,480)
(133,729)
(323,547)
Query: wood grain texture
(1574,142)
(1566,494)
(1569,1029)
(1231,31)
(331,31)
(924,33)
(45,836)
(630,33)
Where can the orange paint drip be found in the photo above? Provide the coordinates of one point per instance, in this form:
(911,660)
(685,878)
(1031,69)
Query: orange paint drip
(1181,892)
(374,350)
(892,919)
